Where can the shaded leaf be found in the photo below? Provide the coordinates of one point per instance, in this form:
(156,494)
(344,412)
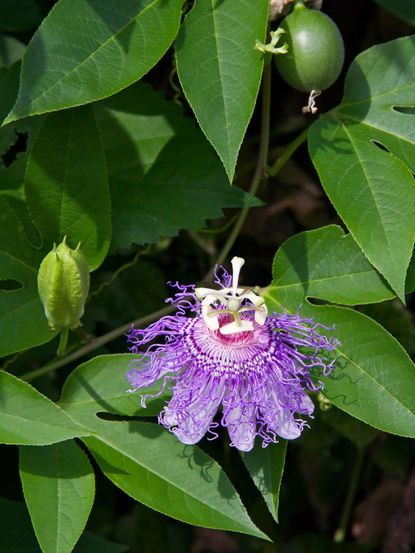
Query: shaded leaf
(20,308)
(66,184)
(67,193)
(86,50)
(266,467)
(371,137)
(11,51)
(8,88)
(29,418)
(360,434)
(173,182)
(58,485)
(220,70)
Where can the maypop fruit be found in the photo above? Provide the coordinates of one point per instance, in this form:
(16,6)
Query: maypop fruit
(315,53)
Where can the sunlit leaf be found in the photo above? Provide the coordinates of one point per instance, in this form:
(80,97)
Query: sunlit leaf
(364,152)
(58,485)
(145,460)
(29,418)
(220,70)
(374,378)
(90,49)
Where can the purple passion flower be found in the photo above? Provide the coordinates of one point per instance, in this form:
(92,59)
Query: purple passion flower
(223,348)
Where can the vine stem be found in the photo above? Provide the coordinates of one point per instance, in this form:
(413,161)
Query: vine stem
(287,153)
(341,531)
(262,171)
(96,343)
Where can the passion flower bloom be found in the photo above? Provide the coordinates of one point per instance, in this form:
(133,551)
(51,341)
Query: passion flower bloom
(222,348)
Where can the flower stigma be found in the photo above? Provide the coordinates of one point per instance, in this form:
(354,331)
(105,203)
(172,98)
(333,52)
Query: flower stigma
(232,301)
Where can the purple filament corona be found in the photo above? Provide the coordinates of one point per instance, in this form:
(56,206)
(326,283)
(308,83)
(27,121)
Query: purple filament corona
(258,377)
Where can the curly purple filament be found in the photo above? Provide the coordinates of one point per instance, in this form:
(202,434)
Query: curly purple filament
(260,377)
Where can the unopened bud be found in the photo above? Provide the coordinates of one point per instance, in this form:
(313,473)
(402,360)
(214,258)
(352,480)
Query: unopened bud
(63,284)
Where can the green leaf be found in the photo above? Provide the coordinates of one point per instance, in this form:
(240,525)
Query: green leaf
(371,137)
(374,378)
(11,50)
(266,467)
(19,16)
(66,184)
(151,465)
(58,485)
(220,70)
(67,193)
(16,534)
(22,320)
(145,460)
(405,9)
(86,50)
(326,264)
(29,418)
(173,182)
(100,385)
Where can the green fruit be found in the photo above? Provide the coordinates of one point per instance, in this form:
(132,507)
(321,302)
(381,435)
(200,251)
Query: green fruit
(315,50)
(63,284)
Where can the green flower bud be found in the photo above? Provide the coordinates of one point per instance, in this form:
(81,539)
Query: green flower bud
(63,284)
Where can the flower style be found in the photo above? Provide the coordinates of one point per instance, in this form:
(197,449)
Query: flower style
(223,348)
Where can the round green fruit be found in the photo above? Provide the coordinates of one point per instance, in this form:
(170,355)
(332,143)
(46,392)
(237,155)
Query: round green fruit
(315,50)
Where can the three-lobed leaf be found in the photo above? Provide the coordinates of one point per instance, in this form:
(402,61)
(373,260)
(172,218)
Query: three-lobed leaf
(364,152)
(29,418)
(143,459)
(86,50)
(58,485)
(374,378)
(220,70)
(164,175)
